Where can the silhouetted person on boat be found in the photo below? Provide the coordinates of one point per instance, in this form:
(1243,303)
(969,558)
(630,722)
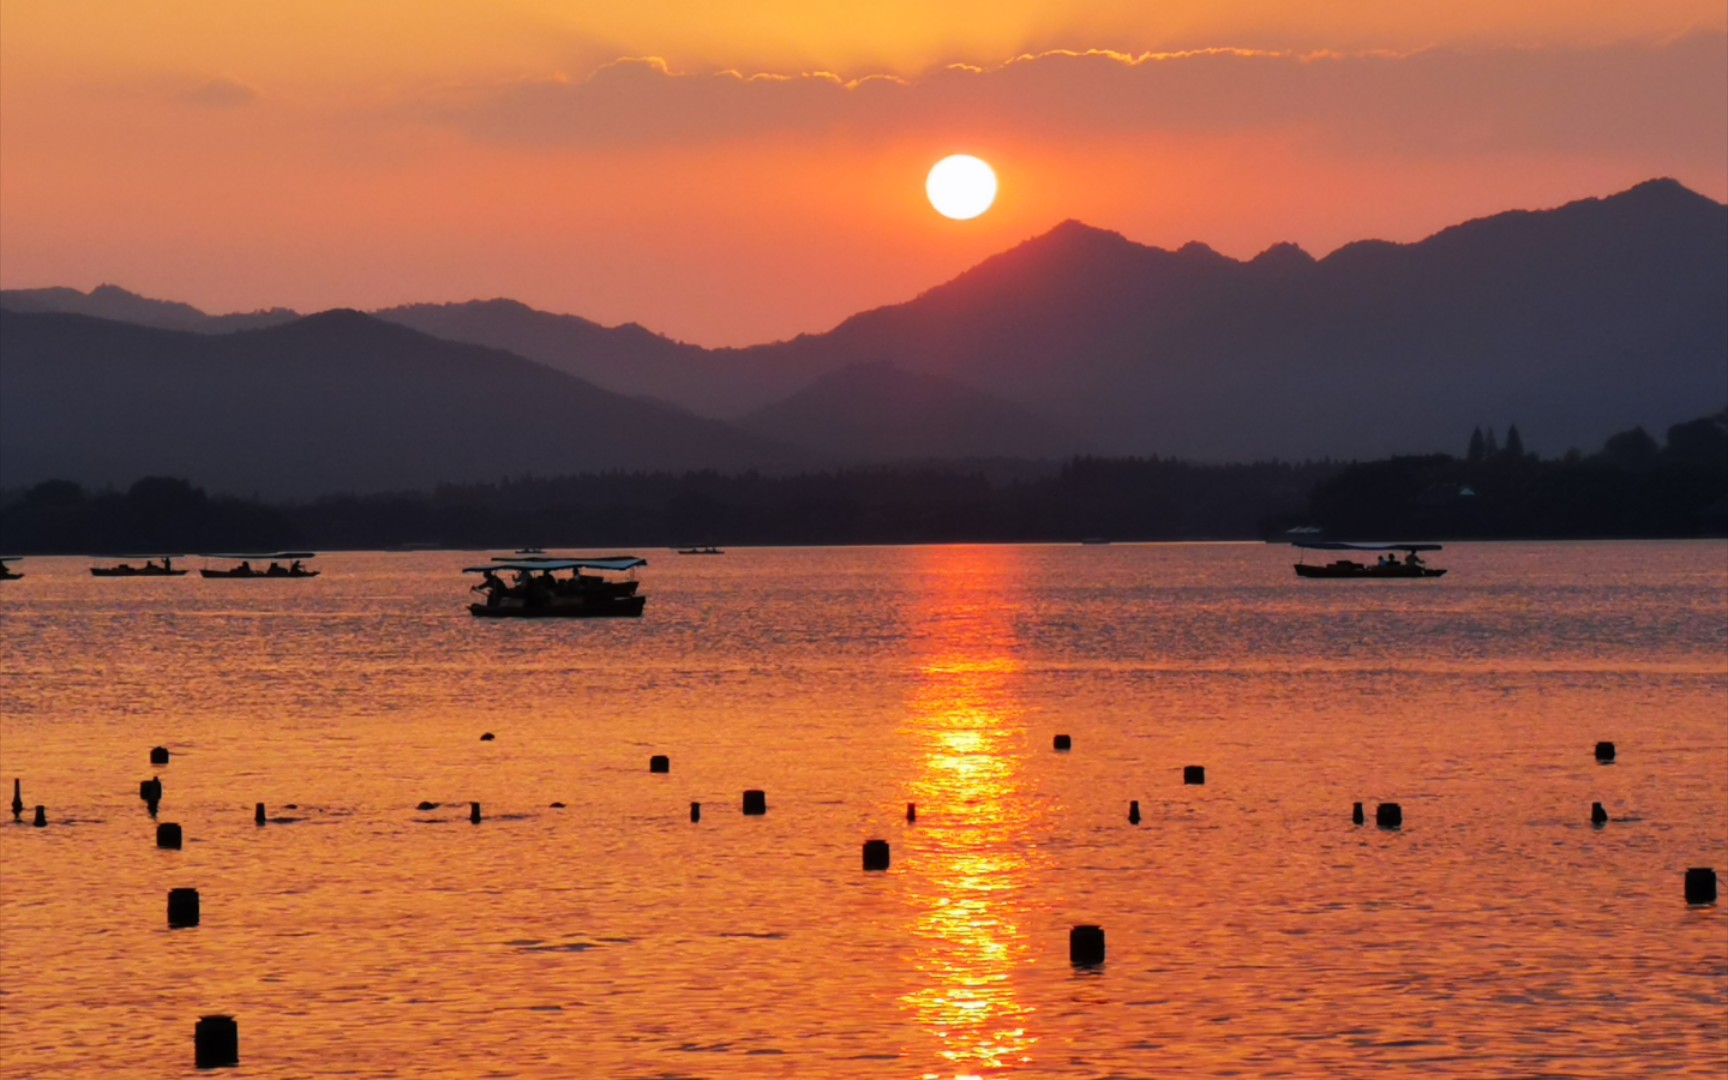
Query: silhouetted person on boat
(167,563)
(493,587)
(245,568)
(275,570)
(1411,560)
(296,567)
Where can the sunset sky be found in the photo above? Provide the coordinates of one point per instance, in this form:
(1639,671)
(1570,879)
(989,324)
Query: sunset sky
(729,172)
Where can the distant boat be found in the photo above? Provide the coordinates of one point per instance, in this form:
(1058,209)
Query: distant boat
(275,569)
(709,550)
(531,551)
(1383,568)
(150,568)
(539,592)
(6,572)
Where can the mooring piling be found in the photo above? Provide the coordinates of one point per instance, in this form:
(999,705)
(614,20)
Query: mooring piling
(1700,885)
(875,855)
(755,801)
(216,1042)
(1389,815)
(1086,946)
(182,908)
(169,836)
(659,763)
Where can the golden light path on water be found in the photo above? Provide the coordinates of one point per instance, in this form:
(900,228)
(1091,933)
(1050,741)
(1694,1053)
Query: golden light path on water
(963,717)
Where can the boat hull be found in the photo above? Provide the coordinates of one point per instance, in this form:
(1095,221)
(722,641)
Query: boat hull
(587,607)
(1348,571)
(249,574)
(115,571)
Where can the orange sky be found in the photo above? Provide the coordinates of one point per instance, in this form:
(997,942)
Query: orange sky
(735,172)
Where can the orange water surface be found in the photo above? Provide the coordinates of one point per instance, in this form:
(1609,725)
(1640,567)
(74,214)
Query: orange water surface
(1252,930)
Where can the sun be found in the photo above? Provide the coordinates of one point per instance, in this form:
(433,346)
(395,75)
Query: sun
(961,186)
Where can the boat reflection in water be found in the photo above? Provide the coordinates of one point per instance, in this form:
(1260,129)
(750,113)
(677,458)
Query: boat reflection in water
(968,883)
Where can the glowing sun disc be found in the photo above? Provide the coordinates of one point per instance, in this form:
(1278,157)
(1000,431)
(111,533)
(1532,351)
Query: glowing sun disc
(961,186)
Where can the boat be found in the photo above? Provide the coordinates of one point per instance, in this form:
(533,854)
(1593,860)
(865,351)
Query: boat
(150,568)
(275,569)
(1383,568)
(539,592)
(6,572)
(709,550)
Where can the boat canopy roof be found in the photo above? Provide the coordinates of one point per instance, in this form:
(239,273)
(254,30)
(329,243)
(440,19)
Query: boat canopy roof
(613,562)
(250,555)
(519,558)
(1339,545)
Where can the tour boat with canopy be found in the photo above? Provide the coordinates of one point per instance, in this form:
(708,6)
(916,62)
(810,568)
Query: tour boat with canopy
(151,567)
(1386,566)
(551,586)
(295,567)
(6,572)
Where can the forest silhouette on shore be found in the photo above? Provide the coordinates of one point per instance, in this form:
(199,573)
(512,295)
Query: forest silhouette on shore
(1634,486)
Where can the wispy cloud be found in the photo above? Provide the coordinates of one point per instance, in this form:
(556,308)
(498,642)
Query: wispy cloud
(220,92)
(1443,101)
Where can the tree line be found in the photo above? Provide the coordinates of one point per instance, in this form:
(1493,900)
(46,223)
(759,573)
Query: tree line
(1634,486)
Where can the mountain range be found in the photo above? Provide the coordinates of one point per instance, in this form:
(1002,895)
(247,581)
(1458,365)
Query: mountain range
(1572,323)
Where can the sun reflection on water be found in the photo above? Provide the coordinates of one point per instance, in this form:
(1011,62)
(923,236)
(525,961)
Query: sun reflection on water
(965,728)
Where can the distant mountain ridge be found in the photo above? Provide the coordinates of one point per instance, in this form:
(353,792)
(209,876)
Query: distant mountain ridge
(335,402)
(113,302)
(1573,322)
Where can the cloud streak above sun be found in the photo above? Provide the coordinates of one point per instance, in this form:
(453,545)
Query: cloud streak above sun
(1619,99)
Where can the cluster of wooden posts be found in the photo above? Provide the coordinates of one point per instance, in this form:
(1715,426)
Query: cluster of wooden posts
(216,1039)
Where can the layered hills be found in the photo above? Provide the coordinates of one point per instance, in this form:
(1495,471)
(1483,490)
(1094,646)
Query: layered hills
(1573,323)
(338,401)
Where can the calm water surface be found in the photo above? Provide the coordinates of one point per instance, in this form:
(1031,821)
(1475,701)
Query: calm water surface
(1253,931)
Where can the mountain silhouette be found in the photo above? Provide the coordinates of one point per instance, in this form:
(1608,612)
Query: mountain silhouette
(113,302)
(338,401)
(1574,323)
(872,412)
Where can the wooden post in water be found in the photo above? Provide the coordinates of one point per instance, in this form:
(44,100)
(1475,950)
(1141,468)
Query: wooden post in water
(1356,814)
(41,820)
(1086,946)
(695,812)
(1062,742)
(258,817)
(875,855)
(158,755)
(216,1042)
(474,812)
(1605,753)
(1134,811)
(168,836)
(1700,885)
(1598,816)
(182,908)
(1193,774)
(151,792)
(659,763)
(17,798)
(1389,815)
(755,802)
(911,812)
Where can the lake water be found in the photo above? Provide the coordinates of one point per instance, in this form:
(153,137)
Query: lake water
(1252,930)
